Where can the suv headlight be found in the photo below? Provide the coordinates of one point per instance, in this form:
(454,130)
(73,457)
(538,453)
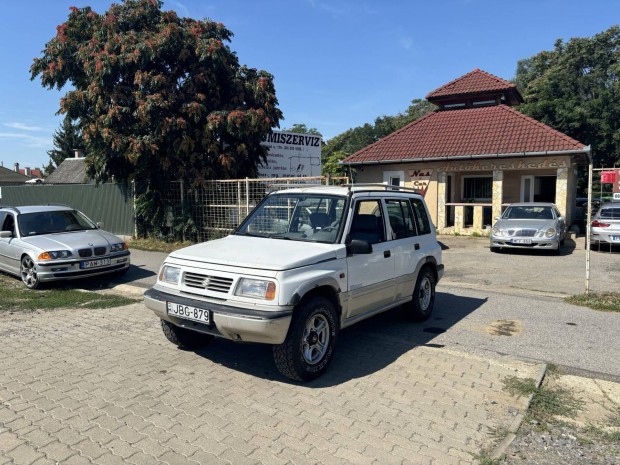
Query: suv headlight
(118,247)
(54,255)
(170,274)
(256,289)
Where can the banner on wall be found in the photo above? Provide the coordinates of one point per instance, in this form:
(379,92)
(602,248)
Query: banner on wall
(608,177)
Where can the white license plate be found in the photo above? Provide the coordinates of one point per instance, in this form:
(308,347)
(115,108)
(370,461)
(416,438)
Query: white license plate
(95,263)
(522,241)
(188,312)
(615,238)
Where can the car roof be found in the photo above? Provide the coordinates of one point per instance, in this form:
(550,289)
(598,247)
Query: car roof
(532,204)
(38,208)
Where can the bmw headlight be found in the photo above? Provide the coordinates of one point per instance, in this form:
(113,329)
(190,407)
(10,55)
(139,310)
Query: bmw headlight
(256,289)
(118,247)
(55,255)
(170,274)
(550,232)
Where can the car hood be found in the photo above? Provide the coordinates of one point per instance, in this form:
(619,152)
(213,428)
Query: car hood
(258,253)
(525,224)
(72,240)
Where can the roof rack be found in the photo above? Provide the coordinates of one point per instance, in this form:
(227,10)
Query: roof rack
(387,187)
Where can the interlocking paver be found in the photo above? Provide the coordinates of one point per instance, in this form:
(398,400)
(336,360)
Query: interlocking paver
(113,390)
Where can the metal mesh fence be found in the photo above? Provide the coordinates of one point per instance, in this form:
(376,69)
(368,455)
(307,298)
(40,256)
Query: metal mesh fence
(200,214)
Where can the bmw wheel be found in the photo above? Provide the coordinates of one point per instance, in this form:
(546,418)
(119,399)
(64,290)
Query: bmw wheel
(28,272)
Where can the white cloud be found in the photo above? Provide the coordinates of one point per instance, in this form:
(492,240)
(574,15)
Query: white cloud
(30,141)
(23,127)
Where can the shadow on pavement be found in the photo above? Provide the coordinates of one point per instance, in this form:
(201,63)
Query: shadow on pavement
(362,349)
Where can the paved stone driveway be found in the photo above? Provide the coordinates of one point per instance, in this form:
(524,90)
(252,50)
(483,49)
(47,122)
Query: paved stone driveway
(105,387)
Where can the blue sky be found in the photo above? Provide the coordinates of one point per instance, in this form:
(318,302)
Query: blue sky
(337,63)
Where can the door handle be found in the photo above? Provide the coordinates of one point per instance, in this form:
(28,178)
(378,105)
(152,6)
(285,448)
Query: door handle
(387,254)
(416,246)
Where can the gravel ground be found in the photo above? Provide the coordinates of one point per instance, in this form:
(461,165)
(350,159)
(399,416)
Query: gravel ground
(590,437)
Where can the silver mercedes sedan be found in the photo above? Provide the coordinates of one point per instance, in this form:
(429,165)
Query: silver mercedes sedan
(529,226)
(55,242)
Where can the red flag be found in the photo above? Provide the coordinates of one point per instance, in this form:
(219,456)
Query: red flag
(608,177)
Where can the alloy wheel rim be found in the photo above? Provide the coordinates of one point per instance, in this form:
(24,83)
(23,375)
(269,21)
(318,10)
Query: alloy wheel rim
(315,340)
(29,275)
(426,293)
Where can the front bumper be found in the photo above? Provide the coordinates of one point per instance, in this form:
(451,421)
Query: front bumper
(61,270)
(534,243)
(234,323)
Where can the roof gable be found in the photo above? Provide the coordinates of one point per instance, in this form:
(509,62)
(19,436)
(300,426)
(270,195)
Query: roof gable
(70,171)
(464,133)
(476,83)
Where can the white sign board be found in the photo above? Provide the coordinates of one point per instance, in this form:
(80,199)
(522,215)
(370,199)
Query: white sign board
(292,155)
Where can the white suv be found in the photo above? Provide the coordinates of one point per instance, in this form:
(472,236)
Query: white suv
(306,263)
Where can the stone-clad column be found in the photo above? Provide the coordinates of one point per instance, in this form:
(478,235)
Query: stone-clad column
(441,200)
(498,193)
(561,190)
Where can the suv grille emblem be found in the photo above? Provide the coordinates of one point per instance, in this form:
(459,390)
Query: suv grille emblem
(205,282)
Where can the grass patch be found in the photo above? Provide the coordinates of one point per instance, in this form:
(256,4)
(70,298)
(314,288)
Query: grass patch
(547,402)
(606,301)
(15,297)
(156,245)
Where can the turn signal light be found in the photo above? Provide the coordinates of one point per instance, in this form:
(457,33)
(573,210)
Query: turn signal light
(598,224)
(271,291)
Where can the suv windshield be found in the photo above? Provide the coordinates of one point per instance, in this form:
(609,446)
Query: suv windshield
(300,217)
(50,222)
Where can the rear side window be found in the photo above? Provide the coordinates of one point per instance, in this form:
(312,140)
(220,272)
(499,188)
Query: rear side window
(424,225)
(401,218)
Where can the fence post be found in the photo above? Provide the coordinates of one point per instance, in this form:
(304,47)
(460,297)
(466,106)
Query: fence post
(247,196)
(135,217)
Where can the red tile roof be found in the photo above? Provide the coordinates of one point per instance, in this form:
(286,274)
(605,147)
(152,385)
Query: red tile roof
(474,82)
(490,130)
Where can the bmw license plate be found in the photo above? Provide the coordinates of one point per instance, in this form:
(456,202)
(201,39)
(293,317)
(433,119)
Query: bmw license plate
(188,312)
(522,241)
(95,263)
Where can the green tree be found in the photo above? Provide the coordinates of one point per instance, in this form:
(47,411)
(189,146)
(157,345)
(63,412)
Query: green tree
(67,138)
(575,88)
(352,140)
(301,128)
(158,97)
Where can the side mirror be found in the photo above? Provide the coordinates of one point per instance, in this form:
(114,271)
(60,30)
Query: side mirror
(357,246)
(5,234)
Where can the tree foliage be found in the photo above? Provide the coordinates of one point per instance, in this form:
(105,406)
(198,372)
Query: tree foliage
(67,138)
(352,140)
(158,96)
(575,88)
(301,128)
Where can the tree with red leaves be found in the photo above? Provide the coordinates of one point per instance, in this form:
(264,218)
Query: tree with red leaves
(158,97)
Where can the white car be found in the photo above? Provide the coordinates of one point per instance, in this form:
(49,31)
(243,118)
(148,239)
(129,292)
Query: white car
(306,263)
(605,225)
(43,243)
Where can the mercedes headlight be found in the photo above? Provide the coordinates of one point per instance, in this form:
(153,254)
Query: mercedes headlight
(550,232)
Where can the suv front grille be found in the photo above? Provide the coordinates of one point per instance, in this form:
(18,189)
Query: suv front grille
(209,283)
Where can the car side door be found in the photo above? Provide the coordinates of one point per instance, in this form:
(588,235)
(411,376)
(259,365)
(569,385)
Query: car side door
(370,275)
(9,251)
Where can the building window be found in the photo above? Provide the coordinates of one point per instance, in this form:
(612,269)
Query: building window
(478,188)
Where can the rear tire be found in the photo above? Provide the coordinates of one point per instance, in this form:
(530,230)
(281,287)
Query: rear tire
(309,346)
(421,306)
(185,338)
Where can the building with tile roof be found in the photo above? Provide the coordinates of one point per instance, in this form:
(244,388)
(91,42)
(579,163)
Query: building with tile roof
(475,154)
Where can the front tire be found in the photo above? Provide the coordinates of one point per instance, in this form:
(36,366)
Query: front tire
(421,306)
(28,273)
(309,346)
(185,338)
